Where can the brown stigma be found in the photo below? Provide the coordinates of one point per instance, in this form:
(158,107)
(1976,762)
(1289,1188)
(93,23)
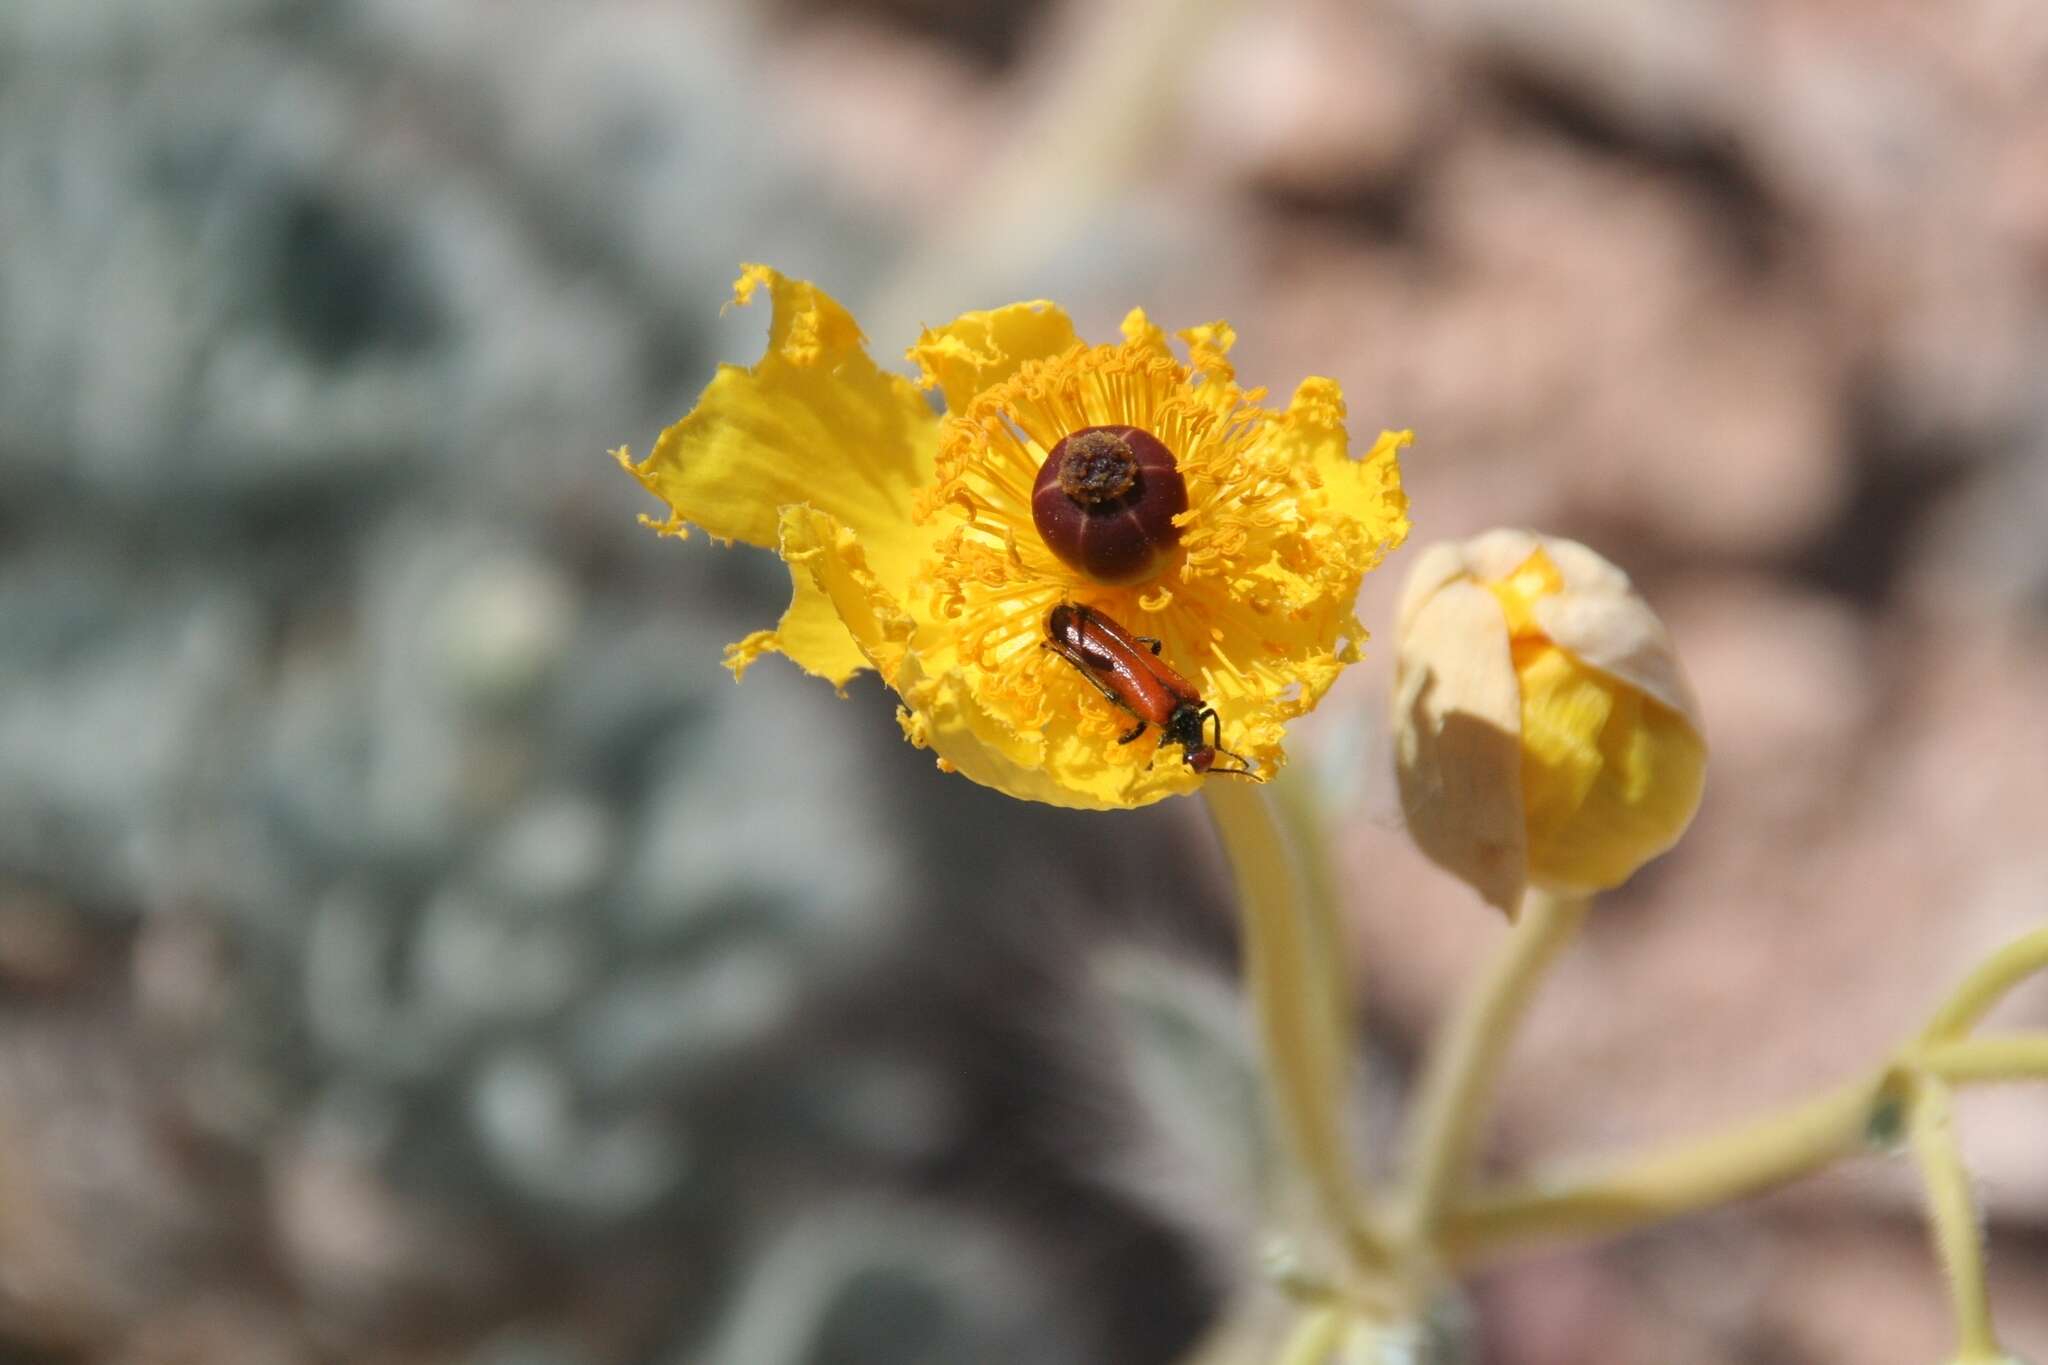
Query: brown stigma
(1097,465)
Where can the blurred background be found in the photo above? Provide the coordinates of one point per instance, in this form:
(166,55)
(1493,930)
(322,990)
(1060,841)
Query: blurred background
(414,949)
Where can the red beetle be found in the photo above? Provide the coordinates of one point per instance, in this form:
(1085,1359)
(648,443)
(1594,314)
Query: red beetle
(1127,669)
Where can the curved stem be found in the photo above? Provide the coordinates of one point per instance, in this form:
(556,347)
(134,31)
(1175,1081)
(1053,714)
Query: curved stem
(1766,1152)
(1693,1175)
(1953,1214)
(1984,988)
(1294,969)
(2020,1058)
(1466,1059)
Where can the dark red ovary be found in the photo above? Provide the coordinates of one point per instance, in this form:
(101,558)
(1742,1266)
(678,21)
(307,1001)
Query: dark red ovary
(1115,540)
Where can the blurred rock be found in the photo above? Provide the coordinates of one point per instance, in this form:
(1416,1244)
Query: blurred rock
(363,1252)
(216,1330)
(43,947)
(1331,102)
(1789,684)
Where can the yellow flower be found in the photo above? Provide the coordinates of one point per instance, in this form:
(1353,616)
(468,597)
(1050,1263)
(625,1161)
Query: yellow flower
(1545,732)
(913,549)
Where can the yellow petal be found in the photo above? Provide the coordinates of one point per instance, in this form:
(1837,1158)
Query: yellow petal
(1610,775)
(976,351)
(840,619)
(810,633)
(1209,350)
(1585,604)
(815,421)
(950,708)
(1044,733)
(1367,491)
(1140,330)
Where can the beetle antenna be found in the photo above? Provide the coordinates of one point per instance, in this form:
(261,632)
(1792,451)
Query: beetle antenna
(1243,768)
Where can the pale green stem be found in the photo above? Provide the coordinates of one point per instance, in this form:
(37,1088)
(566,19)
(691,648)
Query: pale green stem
(1766,1152)
(1302,829)
(1293,960)
(1770,1151)
(1297,804)
(1953,1214)
(2020,1058)
(1984,988)
(1686,1177)
(1466,1059)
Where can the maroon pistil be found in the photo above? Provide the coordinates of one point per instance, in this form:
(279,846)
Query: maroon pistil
(1105,501)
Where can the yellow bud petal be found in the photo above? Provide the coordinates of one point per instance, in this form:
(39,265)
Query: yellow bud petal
(1545,732)
(1610,775)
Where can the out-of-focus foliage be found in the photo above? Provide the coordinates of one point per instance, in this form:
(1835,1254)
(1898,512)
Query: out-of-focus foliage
(422,945)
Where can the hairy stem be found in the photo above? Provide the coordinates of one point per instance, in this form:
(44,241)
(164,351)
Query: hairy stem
(1294,968)
(1984,988)
(2023,1057)
(1953,1214)
(1683,1178)
(1467,1057)
(1767,1152)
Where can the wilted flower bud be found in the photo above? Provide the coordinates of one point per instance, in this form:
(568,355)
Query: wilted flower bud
(1545,733)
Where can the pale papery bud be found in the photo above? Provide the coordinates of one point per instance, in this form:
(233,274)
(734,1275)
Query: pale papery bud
(1545,734)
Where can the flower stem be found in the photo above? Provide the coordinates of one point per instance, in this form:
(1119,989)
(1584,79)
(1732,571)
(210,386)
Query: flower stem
(1953,1214)
(1681,1179)
(2020,1058)
(1467,1058)
(1766,1152)
(1294,968)
(1985,987)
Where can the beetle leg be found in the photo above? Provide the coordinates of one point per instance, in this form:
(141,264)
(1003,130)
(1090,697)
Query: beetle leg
(1126,739)
(1151,641)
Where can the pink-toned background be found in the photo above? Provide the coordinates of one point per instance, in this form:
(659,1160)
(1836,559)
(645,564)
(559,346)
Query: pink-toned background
(414,950)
